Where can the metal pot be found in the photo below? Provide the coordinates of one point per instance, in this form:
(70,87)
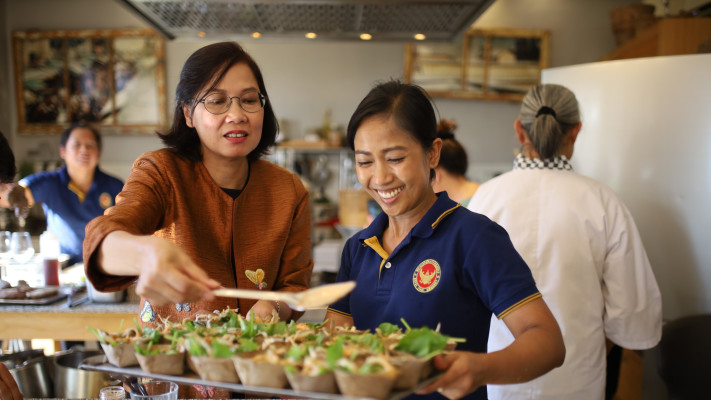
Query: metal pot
(30,372)
(70,382)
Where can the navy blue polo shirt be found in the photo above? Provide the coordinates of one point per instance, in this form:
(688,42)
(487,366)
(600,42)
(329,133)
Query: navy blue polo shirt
(67,213)
(454,268)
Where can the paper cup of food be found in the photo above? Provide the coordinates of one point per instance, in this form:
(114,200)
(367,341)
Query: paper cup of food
(375,378)
(216,369)
(411,369)
(119,348)
(161,359)
(325,383)
(257,370)
(120,354)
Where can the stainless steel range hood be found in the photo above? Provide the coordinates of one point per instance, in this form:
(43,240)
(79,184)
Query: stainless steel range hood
(400,20)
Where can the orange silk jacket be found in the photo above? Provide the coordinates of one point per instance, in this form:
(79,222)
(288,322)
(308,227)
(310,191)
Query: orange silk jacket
(267,227)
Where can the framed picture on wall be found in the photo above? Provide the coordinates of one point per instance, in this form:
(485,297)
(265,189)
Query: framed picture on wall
(114,78)
(489,64)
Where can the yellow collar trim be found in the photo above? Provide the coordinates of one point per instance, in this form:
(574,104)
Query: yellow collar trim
(74,188)
(444,214)
(374,244)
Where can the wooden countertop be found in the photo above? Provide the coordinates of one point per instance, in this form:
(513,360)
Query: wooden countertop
(59,322)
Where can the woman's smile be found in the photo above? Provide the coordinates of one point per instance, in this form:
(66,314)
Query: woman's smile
(236,136)
(389,195)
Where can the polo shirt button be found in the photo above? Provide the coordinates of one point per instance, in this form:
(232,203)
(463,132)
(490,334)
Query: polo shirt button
(388,265)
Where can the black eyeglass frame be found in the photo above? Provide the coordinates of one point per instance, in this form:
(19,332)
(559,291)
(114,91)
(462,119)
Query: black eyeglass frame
(262,101)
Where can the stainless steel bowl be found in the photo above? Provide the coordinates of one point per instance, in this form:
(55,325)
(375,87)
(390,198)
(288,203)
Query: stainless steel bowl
(31,373)
(104,297)
(70,382)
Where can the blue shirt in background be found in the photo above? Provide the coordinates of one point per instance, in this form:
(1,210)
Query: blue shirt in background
(67,213)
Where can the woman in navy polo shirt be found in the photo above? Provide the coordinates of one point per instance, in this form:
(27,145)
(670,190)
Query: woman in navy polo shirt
(430,261)
(74,194)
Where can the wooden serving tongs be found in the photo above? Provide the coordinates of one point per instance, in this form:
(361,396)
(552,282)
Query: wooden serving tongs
(316,297)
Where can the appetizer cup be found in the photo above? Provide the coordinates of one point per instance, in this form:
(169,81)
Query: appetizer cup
(411,369)
(216,369)
(259,373)
(365,385)
(325,383)
(120,354)
(163,362)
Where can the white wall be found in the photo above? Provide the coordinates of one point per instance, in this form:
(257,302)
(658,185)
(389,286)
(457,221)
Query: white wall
(304,77)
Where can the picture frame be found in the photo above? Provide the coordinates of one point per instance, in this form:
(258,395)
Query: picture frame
(113,78)
(486,64)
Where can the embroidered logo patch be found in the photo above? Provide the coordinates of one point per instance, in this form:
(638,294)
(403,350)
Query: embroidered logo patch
(105,200)
(256,277)
(426,276)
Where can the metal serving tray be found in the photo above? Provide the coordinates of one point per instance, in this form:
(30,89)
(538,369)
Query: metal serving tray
(100,363)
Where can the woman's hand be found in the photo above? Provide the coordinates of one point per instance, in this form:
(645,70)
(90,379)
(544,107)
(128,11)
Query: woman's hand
(17,198)
(8,386)
(463,374)
(166,274)
(538,347)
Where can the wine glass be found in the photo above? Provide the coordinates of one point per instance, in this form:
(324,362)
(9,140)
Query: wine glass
(5,254)
(21,247)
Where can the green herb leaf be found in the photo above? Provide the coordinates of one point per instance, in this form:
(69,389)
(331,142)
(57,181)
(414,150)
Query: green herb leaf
(296,352)
(372,368)
(334,352)
(422,342)
(221,350)
(194,347)
(386,328)
(247,345)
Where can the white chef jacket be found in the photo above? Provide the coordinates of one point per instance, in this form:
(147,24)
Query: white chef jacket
(589,263)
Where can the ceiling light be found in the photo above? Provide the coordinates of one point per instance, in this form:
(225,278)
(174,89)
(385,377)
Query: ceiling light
(366,36)
(201,34)
(311,35)
(420,36)
(256,35)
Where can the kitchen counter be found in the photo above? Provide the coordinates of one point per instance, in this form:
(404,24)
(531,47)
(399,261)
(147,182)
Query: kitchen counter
(59,322)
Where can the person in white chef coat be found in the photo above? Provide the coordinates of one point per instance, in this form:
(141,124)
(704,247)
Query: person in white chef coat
(582,245)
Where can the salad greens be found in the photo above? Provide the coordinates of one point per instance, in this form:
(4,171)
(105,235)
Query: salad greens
(423,342)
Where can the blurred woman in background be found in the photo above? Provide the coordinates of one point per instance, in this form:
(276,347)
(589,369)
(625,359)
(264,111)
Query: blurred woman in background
(450,174)
(72,195)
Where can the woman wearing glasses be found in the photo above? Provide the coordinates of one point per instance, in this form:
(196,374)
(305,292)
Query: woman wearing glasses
(206,212)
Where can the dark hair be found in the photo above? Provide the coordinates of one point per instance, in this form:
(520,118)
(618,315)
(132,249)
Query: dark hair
(205,68)
(452,157)
(408,105)
(81,124)
(548,112)
(8,169)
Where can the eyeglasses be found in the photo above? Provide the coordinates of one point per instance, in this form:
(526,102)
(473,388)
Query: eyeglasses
(219,103)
